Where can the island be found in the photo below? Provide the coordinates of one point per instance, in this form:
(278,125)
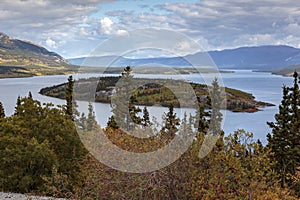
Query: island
(102,89)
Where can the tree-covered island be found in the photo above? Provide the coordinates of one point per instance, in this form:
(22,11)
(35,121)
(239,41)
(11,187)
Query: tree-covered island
(154,92)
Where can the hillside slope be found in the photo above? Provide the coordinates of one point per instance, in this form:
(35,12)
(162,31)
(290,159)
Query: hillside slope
(20,58)
(287,71)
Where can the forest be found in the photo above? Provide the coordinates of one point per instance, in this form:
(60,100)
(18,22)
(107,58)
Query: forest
(42,152)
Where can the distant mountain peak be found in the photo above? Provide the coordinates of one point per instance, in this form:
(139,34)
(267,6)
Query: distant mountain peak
(4,36)
(264,57)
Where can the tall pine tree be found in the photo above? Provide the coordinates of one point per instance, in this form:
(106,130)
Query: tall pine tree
(171,123)
(69,97)
(133,111)
(2,112)
(216,105)
(112,124)
(146,118)
(201,118)
(91,118)
(125,112)
(284,141)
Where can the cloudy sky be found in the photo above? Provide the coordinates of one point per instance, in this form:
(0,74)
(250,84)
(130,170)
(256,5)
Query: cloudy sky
(73,28)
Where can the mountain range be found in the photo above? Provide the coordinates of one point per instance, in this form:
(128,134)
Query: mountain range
(20,58)
(254,58)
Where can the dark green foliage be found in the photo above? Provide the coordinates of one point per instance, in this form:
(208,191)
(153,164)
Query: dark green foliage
(134,110)
(216,105)
(284,141)
(295,108)
(2,112)
(24,163)
(91,119)
(171,123)
(17,111)
(69,97)
(202,118)
(123,108)
(30,95)
(112,123)
(82,122)
(146,118)
(32,142)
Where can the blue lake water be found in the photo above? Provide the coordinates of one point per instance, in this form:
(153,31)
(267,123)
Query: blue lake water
(264,86)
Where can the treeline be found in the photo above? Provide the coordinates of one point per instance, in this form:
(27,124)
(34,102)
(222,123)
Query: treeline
(41,152)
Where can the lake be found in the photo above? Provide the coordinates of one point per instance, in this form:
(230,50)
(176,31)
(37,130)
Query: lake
(264,86)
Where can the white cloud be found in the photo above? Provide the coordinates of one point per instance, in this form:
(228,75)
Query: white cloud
(223,24)
(83,32)
(215,24)
(38,20)
(122,32)
(51,43)
(106,25)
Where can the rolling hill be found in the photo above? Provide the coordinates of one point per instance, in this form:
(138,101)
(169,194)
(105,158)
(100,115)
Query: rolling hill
(20,58)
(254,58)
(287,71)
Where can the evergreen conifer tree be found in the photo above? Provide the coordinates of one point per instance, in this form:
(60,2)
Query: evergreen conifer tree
(82,122)
(69,97)
(91,118)
(216,105)
(17,108)
(284,141)
(112,123)
(146,118)
(30,95)
(2,112)
(125,112)
(171,123)
(133,111)
(201,118)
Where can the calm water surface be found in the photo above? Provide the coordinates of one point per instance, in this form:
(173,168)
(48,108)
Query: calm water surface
(264,86)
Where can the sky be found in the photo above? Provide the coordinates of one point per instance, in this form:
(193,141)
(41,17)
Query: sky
(74,28)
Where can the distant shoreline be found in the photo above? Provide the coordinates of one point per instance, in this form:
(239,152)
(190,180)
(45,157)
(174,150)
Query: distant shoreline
(118,70)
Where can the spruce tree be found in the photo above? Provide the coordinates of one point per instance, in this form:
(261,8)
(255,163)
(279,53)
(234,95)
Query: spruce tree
(171,123)
(201,118)
(30,95)
(91,118)
(284,141)
(2,112)
(69,97)
(146,118)
(82,122)
(17,108)
(215,114)
(112,123)
(125,112)
(295,108)
(133,111)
